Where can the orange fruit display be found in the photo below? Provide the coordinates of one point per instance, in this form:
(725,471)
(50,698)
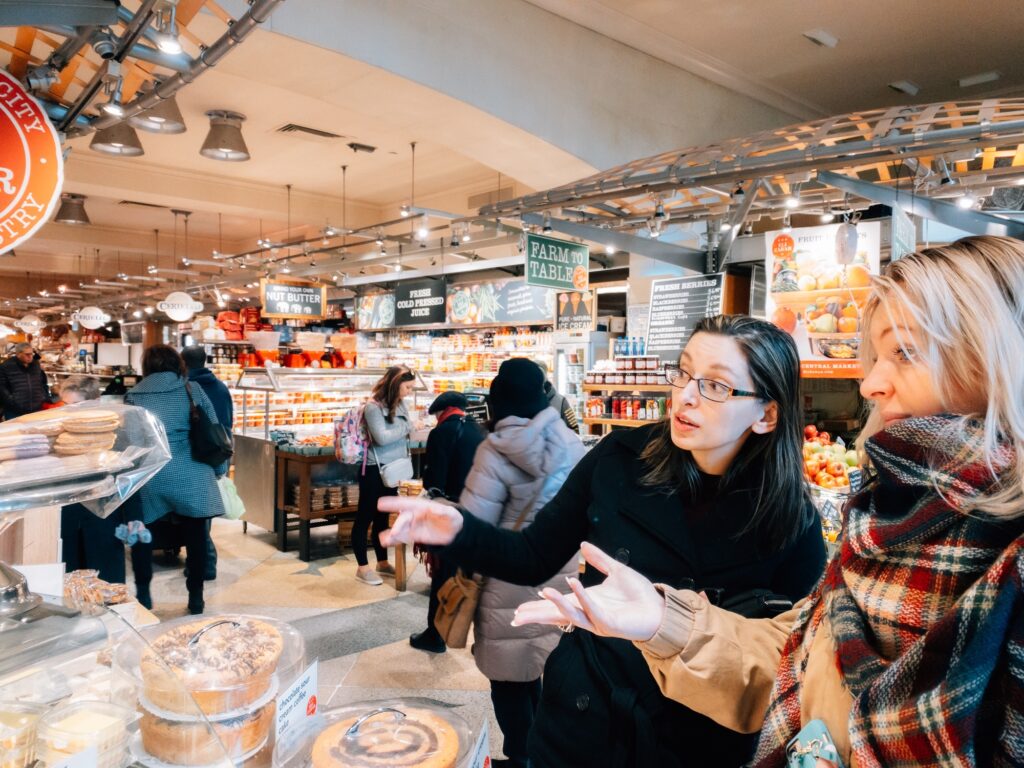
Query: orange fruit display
(848,325)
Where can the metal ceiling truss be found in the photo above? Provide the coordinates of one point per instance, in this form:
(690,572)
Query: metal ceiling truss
(983,141)
(130,38)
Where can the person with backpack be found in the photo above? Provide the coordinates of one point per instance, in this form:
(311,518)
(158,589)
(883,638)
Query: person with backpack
(388,426)
(451,446)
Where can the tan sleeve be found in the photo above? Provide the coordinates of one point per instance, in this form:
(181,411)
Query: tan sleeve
(717,662)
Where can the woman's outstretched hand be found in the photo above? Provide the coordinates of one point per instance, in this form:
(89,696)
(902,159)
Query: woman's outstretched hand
(624,605)
(420,521)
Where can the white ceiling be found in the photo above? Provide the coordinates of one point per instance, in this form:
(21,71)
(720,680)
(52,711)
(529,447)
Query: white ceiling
(757,47)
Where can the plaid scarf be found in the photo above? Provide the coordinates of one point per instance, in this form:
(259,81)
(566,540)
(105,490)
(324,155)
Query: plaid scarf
(926,607)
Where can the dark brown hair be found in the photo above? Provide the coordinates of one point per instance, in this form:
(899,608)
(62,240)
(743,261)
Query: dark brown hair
(385,391)
(160,358)
(770,465)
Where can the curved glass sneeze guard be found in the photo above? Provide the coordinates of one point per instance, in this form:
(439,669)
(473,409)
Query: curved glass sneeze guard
(97,454)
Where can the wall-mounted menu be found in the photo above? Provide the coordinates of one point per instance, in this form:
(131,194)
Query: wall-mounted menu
(677,305)
(509,302)
(420,302)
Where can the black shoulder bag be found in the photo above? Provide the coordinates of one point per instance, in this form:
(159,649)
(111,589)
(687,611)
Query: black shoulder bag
(211,442)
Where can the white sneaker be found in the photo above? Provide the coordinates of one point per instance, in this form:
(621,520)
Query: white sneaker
(369,577)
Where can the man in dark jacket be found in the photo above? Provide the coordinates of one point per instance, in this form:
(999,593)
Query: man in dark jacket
(451,446)
(23,387)
(559,401)
(217,391)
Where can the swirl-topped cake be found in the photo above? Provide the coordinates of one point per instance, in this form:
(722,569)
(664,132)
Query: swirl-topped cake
(225,663)
(421,739)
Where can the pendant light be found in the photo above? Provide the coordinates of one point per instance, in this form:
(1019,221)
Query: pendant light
(117,139)
(72,209)
(224,141)
(165,117)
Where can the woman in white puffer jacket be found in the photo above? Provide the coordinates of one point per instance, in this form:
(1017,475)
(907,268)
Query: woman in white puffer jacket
(516,471)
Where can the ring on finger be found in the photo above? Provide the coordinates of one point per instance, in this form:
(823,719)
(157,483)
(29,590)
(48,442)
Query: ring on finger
(567,627)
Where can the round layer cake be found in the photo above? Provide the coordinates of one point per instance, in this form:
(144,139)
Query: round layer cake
(190,743)
(419,740)
(228,667)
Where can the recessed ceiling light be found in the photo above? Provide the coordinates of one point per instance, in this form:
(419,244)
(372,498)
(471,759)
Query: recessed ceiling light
(984,77)
(905,86)
(822,38)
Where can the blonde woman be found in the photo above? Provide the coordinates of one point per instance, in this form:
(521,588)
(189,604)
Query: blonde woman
(909,652)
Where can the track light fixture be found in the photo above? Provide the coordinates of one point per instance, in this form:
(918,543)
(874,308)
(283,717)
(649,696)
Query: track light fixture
(224,140)
(786,225)
(827,217)
(164,117)
(404,210)
(167,30)
(749,228)
(423,232)
(380,238)
(609,249)
(72,209)
(659,209)
(738,192)
(793,199)
(547,223)
(117,139)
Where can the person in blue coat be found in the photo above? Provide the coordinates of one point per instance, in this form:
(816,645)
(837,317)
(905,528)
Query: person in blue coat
(184,491)
(195,361)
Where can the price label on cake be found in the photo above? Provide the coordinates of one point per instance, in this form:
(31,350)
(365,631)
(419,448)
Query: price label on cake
(482,749)
(296,703)
(87,758)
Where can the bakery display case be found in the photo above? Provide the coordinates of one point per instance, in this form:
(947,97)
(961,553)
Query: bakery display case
(221,673)
(398,733)
(96,454)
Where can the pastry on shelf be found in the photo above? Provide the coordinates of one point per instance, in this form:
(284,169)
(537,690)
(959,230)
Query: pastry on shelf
(420,739)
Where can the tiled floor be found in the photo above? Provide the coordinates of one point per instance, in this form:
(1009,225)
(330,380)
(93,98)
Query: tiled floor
(359,633)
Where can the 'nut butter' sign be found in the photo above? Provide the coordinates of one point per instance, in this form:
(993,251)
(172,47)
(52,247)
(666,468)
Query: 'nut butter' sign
(285,299)
(31,165)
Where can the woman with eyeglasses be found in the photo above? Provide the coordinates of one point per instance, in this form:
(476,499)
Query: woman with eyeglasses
(711,498)
(909,651)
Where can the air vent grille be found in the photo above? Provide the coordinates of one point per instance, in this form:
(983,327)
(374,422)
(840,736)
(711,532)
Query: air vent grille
(295,128)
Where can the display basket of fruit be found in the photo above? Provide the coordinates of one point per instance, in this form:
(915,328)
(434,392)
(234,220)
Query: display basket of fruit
(837,346)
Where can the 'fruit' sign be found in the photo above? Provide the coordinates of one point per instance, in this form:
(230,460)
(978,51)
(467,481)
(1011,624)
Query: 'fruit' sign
(31,164)
(818,280)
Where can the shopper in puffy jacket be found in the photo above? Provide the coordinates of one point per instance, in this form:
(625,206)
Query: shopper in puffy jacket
(451,447)
(184,492)
(713,496)
(23,387)
(517,470)
(388,427)
(909,651)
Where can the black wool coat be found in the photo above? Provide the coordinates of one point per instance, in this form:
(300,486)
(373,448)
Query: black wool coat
(451,446)
(600,705)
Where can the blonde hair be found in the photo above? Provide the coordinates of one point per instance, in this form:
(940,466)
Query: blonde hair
(967,299)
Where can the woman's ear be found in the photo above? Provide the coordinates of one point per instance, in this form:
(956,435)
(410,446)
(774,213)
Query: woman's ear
(769,419)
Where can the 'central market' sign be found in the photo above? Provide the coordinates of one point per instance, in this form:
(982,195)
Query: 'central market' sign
(560,264)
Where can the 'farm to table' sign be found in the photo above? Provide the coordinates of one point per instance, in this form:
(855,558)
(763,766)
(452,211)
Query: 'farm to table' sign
(292,299)
(560,264)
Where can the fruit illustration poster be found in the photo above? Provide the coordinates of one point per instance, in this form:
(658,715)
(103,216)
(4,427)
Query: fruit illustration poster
(819,279)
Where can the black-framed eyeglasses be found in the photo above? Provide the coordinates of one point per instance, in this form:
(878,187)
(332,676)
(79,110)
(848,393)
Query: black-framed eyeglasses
(710,389)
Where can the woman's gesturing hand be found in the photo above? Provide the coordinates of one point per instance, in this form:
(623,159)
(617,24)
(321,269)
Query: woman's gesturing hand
(624,605)
(420,521)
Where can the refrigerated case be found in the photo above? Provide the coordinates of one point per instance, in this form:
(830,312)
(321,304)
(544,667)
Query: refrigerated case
(575,353)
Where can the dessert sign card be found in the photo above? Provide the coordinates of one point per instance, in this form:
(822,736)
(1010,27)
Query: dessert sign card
(296,703)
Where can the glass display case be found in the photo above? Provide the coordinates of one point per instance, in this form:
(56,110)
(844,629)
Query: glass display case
(292,410)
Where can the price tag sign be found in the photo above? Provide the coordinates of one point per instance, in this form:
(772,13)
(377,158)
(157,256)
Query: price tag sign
(297,703)
(482,749)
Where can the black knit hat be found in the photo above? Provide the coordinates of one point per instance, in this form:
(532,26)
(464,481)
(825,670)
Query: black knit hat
(448,400)
(517,390)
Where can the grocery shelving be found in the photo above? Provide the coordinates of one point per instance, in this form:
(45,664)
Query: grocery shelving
(627,387)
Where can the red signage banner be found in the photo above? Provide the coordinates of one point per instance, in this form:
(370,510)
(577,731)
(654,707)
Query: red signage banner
(31,164)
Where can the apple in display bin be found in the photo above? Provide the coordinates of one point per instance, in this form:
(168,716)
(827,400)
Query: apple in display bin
(827,464)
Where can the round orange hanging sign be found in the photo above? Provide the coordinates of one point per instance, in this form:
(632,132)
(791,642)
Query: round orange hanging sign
(31,164)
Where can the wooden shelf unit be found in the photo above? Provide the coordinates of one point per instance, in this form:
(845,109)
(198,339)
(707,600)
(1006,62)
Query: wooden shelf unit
(627,387)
